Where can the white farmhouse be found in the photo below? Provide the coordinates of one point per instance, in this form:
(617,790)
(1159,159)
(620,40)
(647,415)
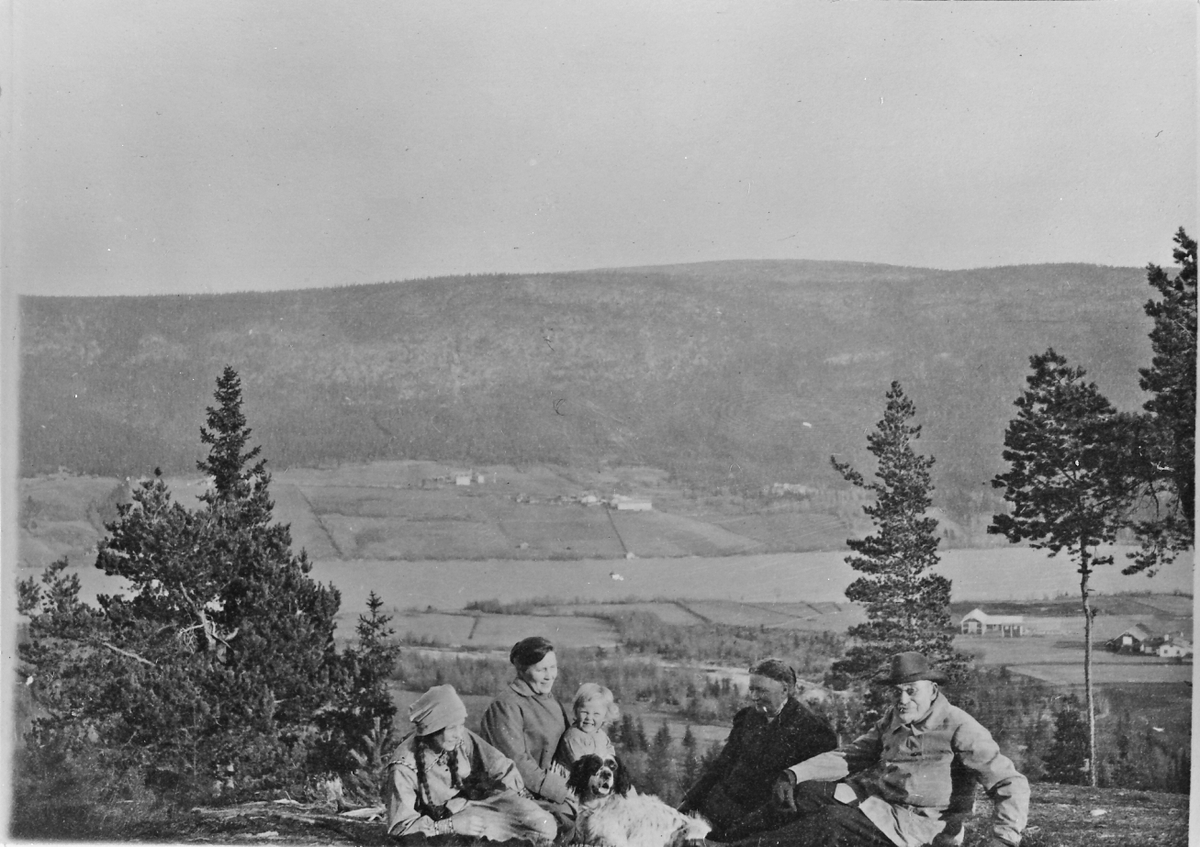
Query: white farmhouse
(979,622)
(630,504)
(1178,649)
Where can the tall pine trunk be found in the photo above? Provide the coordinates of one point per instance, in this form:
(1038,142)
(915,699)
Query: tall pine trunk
(1085,572)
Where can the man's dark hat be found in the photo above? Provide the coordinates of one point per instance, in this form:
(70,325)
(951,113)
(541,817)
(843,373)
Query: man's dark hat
(909,667)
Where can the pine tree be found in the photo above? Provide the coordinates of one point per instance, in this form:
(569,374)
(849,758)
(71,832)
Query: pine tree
(227,436)
(908,606)
(690,768)
(360,732)
(643,742)
(221,656)
(1062,448)
(660,775)
(1169,445)
(628,734)
(1068,761)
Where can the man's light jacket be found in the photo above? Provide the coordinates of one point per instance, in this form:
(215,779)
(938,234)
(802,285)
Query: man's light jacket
(912,776)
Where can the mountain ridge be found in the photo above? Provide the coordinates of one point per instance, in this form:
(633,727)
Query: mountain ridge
(710,370)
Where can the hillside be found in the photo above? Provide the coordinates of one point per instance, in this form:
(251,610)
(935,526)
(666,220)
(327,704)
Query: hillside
(725,374)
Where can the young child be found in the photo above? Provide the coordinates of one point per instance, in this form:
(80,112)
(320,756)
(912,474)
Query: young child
(594,709)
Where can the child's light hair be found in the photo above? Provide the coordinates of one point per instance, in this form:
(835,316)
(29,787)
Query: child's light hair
(590,691)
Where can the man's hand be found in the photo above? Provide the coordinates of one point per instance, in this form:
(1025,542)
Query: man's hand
(783,792)
(947,838)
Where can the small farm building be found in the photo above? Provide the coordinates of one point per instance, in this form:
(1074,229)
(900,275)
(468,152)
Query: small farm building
(1132,640)
(630,504)
(979,622)
(1174,648)
(462,479)
(1169,646)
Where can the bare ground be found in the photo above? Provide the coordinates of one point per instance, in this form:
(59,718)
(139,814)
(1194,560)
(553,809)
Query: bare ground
(1060,816)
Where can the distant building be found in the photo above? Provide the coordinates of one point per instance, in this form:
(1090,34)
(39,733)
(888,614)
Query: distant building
(1132,640)
(630,504)
(979,622)
(1170,646)
(781,489)
(1174,647)
(462,479)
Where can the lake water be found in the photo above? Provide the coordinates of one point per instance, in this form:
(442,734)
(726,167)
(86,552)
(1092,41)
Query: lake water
(986,575)
(993,574)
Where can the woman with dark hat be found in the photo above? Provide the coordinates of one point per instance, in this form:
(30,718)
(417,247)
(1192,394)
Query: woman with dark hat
(444,779)
(526,723)
(735,792)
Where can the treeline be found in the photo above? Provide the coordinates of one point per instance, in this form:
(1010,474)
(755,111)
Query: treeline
(810,653)
(645,633)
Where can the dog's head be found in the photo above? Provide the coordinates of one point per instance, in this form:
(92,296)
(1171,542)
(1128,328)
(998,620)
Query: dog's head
(593,777)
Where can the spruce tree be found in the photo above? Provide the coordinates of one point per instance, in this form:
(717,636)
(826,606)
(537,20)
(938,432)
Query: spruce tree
(1068,759)
(1168,445)
(1062,448)
(660,771)
(220,658)
(907,606)
(690,768)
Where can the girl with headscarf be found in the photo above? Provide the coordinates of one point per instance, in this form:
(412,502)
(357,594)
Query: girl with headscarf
(445,779)
(526,723)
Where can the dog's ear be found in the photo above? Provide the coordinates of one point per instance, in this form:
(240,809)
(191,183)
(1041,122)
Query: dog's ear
(581,771)
(621,783)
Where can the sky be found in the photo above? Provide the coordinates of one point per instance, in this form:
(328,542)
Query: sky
(154,148)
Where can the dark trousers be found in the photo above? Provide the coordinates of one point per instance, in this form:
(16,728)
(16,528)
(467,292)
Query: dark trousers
(821,821)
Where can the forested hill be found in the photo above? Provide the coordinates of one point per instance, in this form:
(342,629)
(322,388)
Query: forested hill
(742,373)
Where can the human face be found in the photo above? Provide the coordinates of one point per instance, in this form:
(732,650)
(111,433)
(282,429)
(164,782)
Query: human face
(589,715)
(914,699)
(541,676)
(768,695)
(447,739)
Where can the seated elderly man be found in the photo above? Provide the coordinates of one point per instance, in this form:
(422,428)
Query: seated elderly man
(772,733)
(908,781)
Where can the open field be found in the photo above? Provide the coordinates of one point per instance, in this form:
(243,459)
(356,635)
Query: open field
(462,629)
(1071,673)
(667,611)
(807,616)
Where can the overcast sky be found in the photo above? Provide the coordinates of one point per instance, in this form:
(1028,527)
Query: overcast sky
(214,146)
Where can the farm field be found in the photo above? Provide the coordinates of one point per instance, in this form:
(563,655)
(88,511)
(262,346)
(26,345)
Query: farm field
(671,612)
(789,530)
(482,631)
(368,515)
(805,616)
(1106,674)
